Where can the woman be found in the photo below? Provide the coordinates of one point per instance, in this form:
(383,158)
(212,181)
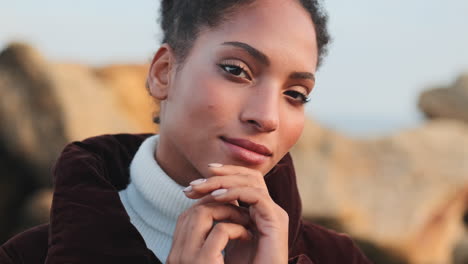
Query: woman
(216,185)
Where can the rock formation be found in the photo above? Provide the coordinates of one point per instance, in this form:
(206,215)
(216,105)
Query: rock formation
(450,102)
(406,192)
(30,113)
(44,105)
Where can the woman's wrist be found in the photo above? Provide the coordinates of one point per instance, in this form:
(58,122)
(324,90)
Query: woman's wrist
(272,250)
(273,246)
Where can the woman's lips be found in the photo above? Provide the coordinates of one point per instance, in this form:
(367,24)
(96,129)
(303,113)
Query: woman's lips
(247,151)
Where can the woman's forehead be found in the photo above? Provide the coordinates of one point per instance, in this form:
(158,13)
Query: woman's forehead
(282,31)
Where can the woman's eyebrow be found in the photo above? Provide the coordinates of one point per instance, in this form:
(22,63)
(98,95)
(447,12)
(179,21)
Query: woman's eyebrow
(260,56)
(264,59)
(302,75)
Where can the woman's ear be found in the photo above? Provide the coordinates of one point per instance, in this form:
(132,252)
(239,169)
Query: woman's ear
(159,75)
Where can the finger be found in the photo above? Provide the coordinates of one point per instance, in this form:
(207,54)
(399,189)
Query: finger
(257,197)
(220,236)
(205,200)
(201,187)
(178,240)
(210,199)
(266,215)
(202,218)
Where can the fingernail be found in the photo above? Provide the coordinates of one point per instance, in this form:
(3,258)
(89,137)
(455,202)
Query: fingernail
(215,165)
(219,192)
(197,182)
(187,189)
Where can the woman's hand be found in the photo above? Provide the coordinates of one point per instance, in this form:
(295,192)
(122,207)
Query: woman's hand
(197,241)
(267,221)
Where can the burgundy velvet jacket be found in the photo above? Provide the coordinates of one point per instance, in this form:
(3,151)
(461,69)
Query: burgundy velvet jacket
(89,224)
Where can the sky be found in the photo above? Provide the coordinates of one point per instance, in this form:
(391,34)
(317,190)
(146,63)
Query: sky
(384,53)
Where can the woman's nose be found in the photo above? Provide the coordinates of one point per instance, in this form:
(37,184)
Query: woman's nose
(261,111)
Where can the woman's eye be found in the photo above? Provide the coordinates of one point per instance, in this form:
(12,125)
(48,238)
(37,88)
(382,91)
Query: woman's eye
(298,96)
(235,70)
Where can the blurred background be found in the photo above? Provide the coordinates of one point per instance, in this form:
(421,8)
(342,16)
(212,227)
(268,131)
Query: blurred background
(384,156)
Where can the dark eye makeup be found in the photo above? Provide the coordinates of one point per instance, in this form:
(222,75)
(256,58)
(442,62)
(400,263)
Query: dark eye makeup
(297,96)
(236,69)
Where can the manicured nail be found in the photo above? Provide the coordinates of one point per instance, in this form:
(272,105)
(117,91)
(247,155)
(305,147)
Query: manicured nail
(215,165)
(197,182)
(187,189)
(219,192)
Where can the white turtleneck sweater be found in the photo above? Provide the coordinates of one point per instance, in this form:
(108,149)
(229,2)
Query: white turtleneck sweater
(153,200)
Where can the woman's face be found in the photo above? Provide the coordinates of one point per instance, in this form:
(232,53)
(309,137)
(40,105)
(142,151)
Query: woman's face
(238,98)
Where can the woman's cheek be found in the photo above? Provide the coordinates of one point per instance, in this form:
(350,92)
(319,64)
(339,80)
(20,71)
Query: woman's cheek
(295,126)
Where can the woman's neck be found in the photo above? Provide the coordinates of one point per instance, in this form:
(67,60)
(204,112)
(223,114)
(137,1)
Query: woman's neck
(175,166)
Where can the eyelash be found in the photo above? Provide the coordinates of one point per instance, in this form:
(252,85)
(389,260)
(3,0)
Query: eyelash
(303,98)
(224,67)
(291,93)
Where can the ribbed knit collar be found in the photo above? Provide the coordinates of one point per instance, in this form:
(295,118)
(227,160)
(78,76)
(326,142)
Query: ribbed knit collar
(152,194)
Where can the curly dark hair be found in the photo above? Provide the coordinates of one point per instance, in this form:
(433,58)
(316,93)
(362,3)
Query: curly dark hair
(182,20)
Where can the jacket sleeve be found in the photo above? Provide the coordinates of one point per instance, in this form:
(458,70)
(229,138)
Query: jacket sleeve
(4,257)
(28,247)
(318,245)
(88,221)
